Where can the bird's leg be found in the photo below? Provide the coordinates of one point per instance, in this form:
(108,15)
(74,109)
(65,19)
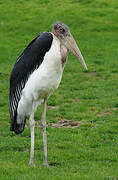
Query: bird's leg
(43,123)
(32,125)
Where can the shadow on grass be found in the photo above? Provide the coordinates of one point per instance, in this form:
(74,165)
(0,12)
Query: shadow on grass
(54,164)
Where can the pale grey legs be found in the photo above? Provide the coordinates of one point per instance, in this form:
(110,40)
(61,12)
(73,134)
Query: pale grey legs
(32,126)
(43,123)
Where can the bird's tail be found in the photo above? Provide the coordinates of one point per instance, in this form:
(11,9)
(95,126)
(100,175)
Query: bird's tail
(15,126)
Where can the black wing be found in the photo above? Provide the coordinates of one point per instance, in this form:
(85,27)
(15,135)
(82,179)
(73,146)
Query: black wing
(28,61)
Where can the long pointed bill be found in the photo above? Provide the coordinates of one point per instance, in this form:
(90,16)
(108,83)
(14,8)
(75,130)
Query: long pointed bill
(72,46)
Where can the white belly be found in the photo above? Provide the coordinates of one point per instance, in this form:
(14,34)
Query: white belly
(44,81)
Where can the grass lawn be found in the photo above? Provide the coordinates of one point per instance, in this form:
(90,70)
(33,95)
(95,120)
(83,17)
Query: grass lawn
(89,151)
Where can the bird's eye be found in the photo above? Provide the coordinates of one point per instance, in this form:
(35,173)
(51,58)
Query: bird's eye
(62,30)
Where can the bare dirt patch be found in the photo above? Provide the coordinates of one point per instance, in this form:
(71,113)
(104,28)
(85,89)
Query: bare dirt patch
(65,123)
(105,113)
(89,73)
(74,100)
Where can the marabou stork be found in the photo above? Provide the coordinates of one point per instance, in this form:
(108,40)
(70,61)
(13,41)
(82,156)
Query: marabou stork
(35,75)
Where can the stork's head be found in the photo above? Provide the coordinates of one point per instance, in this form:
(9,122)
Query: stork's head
(62,32)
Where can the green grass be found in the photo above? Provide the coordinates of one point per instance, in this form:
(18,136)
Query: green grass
(90,151)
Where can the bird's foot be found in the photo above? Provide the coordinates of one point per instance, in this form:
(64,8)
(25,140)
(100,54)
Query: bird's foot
(31,163)
(45,164)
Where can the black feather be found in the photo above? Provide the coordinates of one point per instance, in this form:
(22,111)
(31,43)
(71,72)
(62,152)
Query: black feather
(27,62)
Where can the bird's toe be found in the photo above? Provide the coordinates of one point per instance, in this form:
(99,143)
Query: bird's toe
(45,164)
(31,163)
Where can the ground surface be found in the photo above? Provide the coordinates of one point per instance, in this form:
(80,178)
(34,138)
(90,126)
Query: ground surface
(86,146)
